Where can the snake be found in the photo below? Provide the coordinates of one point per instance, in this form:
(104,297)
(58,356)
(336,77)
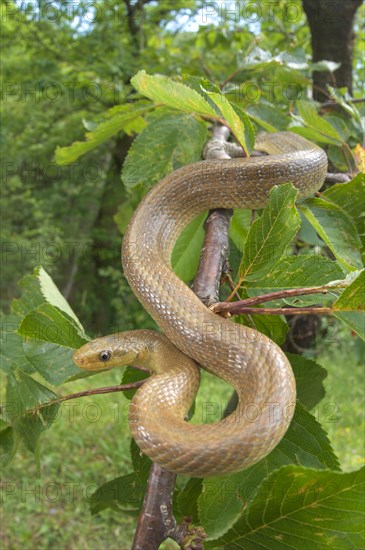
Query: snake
(192,336)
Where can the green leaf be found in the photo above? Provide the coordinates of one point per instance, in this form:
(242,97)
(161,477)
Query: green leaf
(268,116)
(302,271)
(309,378)
(337,230)
(187,249)
(240,226)
(350,197)
(50,329)
(187,499)
(124,215)
(103,132)
(52,361)
(311,134)
(141,463)
(238,122)
(273,326)
(339,123)
(23,395)
(7,445)
(270,235)
(353,297)
(223,499)
(318,124)
(131,375)
(12,351)
(39,288)
(347,106)
(49,324)
(162,89)
(354,319)
(300,508)
(124,491)
(329,66)
(171,140)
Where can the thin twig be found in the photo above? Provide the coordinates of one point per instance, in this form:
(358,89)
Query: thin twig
(334,103)
(231,307)
(280,310)
(86,393)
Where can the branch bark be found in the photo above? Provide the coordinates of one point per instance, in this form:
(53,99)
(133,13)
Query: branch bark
(242,306)
(86,393)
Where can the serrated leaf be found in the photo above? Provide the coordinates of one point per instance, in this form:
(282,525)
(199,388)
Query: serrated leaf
(238,121)
(347,106)
(302,508)
(12,352)
(52,361)
(24,394)
(308,377)
(354,319)
(223,499)
(162,89)
(171,140)
(103,132)
(353,297)
(131,375)
(311,134)
(240,226)
(337,230)
(124,215)
(49,329)
(37,289)
(268,117)
(350,197)
(270,234)
(186,253)
(302,271)
(317,123)
(272,326)
(47,323)
(31,297)
(187,499)
(141,463)
(338,122)
(7,445)
(123,491)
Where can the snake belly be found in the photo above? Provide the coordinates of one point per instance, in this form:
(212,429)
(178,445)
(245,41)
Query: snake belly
(252,363)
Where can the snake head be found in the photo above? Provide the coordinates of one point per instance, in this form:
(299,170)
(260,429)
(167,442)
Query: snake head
(105,353)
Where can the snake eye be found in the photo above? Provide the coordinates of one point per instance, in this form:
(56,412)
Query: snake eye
(105,355)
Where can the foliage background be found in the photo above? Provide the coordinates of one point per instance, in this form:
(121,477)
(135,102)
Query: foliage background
(62,72)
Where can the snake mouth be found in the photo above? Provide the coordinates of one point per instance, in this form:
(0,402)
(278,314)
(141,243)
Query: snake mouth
(79,358)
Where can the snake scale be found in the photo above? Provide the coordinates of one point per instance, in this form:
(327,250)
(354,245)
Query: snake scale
(253,364)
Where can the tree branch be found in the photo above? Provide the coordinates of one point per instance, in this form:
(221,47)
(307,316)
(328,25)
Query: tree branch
(216,242)
(337,178)
(86,393)
(281,310)
(156,519)
(235,308)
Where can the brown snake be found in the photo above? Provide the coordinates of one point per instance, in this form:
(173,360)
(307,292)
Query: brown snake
(253,364)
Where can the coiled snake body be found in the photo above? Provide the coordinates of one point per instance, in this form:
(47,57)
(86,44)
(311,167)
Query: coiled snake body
(253,364)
